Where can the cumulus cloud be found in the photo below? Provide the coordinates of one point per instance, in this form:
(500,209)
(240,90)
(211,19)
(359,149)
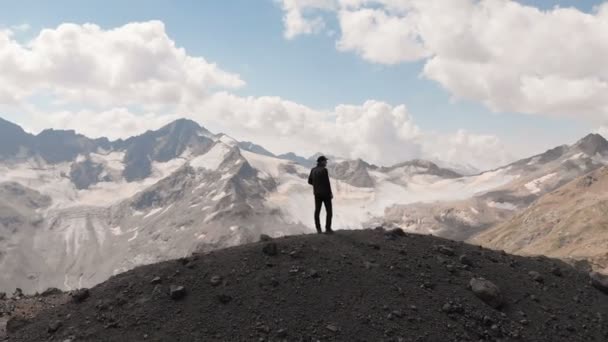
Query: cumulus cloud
(509,56)
(123,81)
(114,123)
(129,65)
(297,22)
(374,131)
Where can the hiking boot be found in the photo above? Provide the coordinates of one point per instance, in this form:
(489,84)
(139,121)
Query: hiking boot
(329,231)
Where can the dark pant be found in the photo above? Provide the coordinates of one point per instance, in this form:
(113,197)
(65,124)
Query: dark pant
(319,200)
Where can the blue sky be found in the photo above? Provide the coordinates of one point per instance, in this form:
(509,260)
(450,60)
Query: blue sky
(246,37)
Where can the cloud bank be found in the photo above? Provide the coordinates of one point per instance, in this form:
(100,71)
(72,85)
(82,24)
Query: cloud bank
(122,81)
(509,56)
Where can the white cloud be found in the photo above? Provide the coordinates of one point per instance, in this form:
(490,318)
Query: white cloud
(297,23)
(509,56)
(113,123)
(21,27)
(121,82)
(374,131)
(129,65)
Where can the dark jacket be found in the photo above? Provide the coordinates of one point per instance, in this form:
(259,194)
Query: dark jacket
(319,179)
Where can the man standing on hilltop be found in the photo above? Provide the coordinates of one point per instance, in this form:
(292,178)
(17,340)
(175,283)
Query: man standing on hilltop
(319,179)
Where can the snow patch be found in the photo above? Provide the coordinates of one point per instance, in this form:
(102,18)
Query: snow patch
(212,159)
(502,205)
(134,236)
(228,140)
(534,186)
(117,231)
(219,196)
(153,212)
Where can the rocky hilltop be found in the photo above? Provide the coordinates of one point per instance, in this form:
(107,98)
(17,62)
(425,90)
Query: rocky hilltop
(366,285)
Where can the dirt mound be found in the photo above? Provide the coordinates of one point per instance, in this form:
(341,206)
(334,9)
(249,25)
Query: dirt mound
(367,285)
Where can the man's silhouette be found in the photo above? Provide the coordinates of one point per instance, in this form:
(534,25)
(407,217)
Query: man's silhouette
(319,179)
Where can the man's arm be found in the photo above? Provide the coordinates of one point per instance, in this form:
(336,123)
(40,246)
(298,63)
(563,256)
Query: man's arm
(310,178)
(326,181)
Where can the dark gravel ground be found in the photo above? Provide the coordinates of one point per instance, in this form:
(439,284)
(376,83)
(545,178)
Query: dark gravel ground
(367,285)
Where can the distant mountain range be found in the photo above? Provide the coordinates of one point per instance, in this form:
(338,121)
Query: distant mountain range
(75,210)
(569,223)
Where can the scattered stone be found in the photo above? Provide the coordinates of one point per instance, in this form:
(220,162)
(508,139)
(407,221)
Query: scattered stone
(156,280)
(452,308)
(270,249)
(397,313)
(18,293)
(332,327)
(374,246)
(466,260)
(394,233)
(265,238)
(397,232)
(2,295)
(556,271)
(263,328)
(313,273)
(369,265)
(281,333)
(51,291)
(54,326)
(80,295)
(487,291)
(537,277)
(177,292)
(599,281)
(445,250)
(216,280)
(15,323)
(224,298)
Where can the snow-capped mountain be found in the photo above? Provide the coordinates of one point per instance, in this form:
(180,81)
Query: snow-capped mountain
(568,223)
(74,210)
(516,186)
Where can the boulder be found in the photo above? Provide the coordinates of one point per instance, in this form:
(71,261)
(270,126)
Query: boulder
(177,292)
(599,281)
(487,291)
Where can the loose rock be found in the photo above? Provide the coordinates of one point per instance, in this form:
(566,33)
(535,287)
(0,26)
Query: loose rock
(537,277)
(177,292)
(466,260)
(54,326)
(80,295)
(599,281)
(270,249)
(445,250)
(487,291)
(216,280)
(265,238)
(50,292)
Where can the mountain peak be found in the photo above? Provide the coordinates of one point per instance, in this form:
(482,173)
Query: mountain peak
(592,144)
(182,124)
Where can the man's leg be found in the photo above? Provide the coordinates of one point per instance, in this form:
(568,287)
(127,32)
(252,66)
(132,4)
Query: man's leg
(330,213)
(318,202)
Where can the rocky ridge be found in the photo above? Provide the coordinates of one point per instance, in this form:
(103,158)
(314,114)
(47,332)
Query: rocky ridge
(368,285)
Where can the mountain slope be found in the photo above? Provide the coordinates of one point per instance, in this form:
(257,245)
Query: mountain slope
(517,186)
(352,286)
(569,222)
(163,194)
